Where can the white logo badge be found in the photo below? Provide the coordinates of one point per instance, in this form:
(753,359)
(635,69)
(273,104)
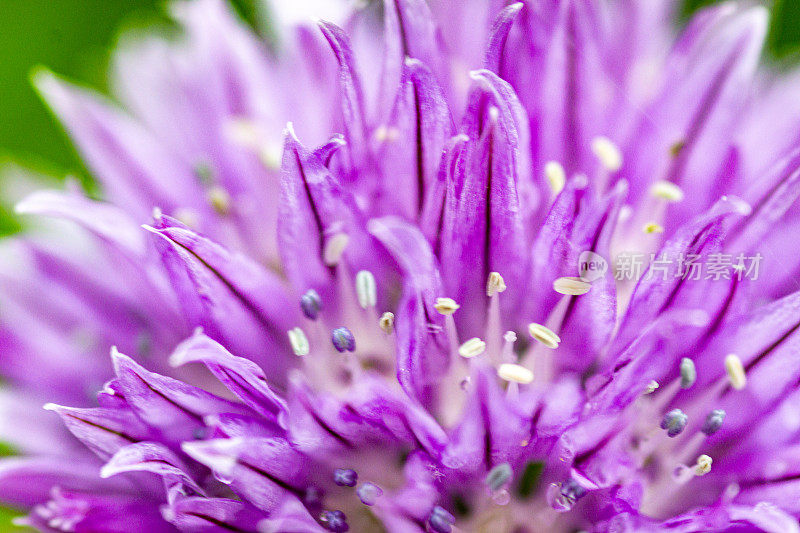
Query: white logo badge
(591,266)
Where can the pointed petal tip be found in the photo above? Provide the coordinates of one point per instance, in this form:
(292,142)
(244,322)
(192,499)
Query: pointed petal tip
(478,74)
(412,62)
(108,470)
(182,354)
(21,521)
(738,205)
(151,229)
(328,28)
(289,133)
(42,78)
(121,361)
(25,207)
(218,454)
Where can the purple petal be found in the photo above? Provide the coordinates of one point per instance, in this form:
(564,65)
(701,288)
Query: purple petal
(483,227)
(151,457)
(242,377)
(498,36)
(411,146)
(174,407)
(208,515)
(265,471)
(125,158)
(234,298)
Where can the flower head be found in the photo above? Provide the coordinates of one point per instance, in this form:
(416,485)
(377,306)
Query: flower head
(349,287)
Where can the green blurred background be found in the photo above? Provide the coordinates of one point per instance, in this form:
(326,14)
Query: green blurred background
(73,38)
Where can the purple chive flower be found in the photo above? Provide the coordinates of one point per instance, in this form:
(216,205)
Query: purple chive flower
(547,236)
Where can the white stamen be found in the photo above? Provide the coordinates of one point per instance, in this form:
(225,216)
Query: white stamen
(188,216)
(571,285)
(299,341)
(472,348)
(509,338)
(607,152)
(735,370)
(334,248)
(386,322)
(494,114)
(667,191)
(446,306)
(366,289)
(243,132)
(385,133)
(271,156)
(219,199)
(703,465)
(495,284)
(515,373)
(544,335)
(651,387)
(653,227)
(555,175)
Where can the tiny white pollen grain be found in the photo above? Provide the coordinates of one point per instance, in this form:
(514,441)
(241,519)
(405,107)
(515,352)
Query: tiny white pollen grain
(607,152)
(653,227)
(472,348)
(515,373)
(703,465)
(555,175)
(219,199)
(334,248)
(544,335)
(668,191)
(495,284)
(446,306)
(651,387)
(386,322)
(571,286)
(735,370)
(299,341)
